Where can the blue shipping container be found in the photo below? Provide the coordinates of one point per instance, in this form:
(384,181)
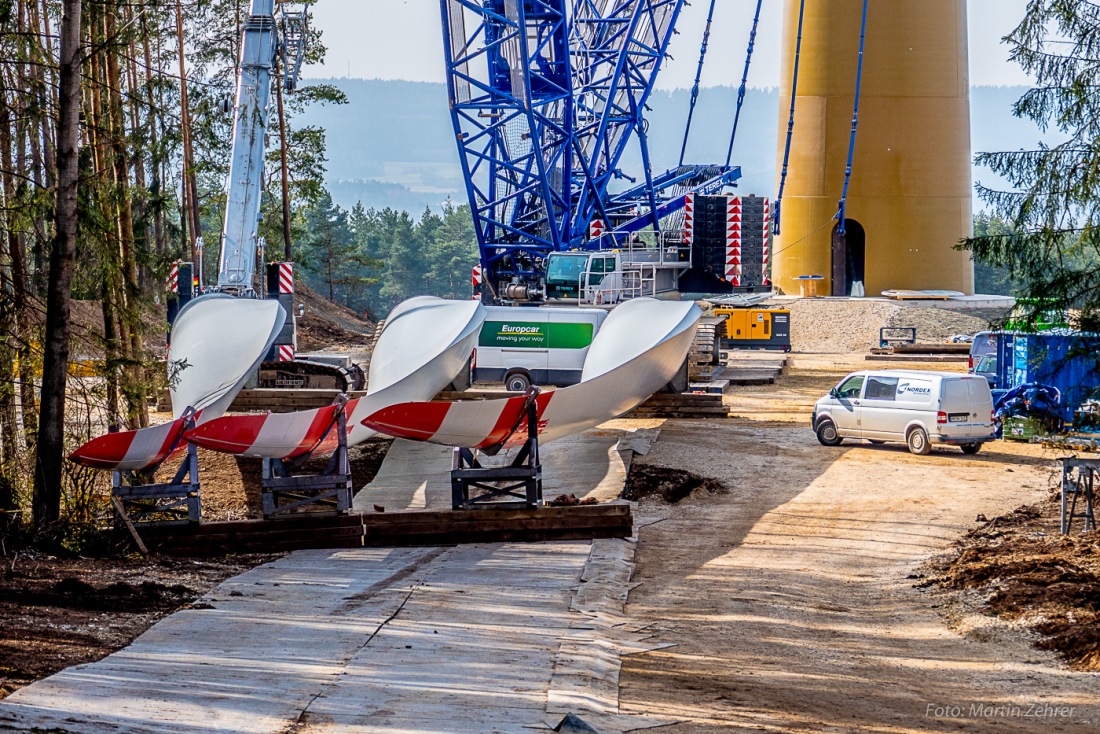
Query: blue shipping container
(1065,360)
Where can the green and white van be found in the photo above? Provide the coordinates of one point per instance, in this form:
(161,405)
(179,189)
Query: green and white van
(534,346)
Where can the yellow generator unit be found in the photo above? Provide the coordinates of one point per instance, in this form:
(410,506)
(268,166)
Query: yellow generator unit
(755,328)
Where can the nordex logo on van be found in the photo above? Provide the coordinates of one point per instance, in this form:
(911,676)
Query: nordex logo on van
(909,388)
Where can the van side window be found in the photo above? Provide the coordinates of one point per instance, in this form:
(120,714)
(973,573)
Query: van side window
(851,387)
(882,388)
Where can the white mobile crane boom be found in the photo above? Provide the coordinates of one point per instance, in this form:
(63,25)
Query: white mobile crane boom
(266,38)
(262,41)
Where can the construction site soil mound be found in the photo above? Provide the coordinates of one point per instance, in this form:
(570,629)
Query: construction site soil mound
(324,326)
(329,326)
(847,325)
(59,612)
(1020,568)
(659,483)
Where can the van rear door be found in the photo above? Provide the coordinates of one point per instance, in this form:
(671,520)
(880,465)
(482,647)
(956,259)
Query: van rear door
(967,407)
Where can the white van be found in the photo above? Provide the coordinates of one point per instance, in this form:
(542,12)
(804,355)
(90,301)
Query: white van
(917,407)
(522,346)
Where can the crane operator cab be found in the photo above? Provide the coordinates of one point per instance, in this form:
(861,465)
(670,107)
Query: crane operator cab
(588,277)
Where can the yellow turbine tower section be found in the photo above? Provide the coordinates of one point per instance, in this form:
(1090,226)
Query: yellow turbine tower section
(909,201)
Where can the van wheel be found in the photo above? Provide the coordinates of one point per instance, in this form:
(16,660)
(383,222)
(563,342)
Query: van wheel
(517,382)
(917,438)
(826,433)
(970,448)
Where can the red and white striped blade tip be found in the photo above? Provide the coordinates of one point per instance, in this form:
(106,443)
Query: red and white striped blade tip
(474,424)
(136,450)
(271,435)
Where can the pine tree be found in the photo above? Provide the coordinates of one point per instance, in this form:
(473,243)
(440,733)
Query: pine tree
(1052,248)
(328,249)
(452,252)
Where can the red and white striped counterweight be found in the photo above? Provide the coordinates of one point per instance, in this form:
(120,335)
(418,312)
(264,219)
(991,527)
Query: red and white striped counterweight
(689,219)
(765,272)
(733,240)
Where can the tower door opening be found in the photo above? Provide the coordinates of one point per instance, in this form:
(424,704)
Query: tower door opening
(849,257)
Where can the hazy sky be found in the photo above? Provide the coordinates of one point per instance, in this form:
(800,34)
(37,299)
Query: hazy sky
(401,39)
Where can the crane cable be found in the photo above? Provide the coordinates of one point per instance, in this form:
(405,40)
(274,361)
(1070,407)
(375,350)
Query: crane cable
(790,121)
(842,205)
(698,76)
(744,79)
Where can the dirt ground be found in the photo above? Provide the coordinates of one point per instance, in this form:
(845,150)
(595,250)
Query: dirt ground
(57,612)
(793,601)
(801,588)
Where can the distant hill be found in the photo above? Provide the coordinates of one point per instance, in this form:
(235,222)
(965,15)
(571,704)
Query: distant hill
(392,144)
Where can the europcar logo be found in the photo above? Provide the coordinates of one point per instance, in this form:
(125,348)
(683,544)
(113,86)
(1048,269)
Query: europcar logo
(509,329)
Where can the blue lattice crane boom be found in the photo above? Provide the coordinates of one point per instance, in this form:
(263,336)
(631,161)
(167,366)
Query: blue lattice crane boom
(546,98)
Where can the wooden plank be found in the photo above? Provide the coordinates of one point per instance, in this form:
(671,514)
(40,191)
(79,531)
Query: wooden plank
(121,510)
(490,514)
(944,358)
(272,536)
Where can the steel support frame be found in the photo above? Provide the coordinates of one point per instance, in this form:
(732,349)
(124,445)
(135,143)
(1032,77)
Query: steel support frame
(1078,482)
(519,483)
(179,500)
(284,491)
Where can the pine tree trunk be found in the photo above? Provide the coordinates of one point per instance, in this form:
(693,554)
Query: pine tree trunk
(129,309)
(190,177)
(154,119)
(51,429)
(288,250)
(9,449)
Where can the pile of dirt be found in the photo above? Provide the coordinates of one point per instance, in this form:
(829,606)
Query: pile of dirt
(844,326)
(1025,571)
(935,324)
(329,326)
(60,612)
(667,485)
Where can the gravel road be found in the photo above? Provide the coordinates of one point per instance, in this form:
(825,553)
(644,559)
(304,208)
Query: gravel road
(788,600)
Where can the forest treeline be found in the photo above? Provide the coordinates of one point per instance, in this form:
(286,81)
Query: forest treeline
(115,133)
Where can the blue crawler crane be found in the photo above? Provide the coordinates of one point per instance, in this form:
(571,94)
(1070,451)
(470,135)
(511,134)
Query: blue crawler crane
(546,96)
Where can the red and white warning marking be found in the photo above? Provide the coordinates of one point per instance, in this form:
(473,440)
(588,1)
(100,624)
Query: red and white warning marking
(476,278)
(596,229)
(689,219)
(733,240)
(173,280)
(286,277)
(285,353)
